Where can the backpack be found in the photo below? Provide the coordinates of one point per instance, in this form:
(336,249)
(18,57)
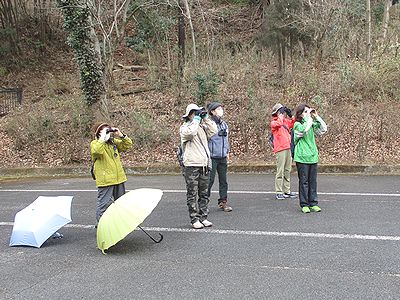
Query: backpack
(292,145)
(92,170)
(271,140)
(179,155)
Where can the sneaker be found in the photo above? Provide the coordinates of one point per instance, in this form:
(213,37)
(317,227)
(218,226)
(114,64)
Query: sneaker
(315,208)
(289,195)
(206,223)
(305,209)
(280,197)
(197,225)
(224,207)
(57,235)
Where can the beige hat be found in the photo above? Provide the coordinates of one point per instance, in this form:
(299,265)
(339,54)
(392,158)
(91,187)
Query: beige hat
(189,108)
(98,126)
(276,108)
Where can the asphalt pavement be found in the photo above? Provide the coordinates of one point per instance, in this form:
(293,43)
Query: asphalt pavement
(263,249)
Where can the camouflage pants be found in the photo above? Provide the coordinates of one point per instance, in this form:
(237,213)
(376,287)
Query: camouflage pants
(197,192)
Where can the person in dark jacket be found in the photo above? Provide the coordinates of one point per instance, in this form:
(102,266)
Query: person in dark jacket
(281,125)
(219,151)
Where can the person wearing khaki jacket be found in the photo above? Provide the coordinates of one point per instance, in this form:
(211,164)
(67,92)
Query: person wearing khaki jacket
(107,167)
(195,133)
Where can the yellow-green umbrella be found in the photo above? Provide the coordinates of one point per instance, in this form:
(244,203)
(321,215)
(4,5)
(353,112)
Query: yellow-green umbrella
(124,215)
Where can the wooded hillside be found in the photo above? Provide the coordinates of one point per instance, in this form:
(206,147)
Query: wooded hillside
(138,63)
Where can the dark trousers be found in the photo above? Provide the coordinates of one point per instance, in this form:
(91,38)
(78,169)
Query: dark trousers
(219,165)
(106,195)
(307,184)
(197,198)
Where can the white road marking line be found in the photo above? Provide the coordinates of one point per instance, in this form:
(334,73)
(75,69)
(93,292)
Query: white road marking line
(313,270)
(253,233)
(231,192)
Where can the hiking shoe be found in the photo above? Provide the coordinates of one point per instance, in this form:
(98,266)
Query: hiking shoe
(224,207)
(305,209)
(280,197)
(315,208)
(57,235)
(289,195)
(197,225)
(206,223)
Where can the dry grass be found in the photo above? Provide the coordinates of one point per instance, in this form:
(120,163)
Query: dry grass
(52,127)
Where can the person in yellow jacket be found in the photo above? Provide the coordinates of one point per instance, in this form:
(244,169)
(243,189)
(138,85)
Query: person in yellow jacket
(110,177)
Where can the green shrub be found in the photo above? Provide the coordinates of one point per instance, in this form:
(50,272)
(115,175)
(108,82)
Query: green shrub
(146,132)
(207,86)
(3,71)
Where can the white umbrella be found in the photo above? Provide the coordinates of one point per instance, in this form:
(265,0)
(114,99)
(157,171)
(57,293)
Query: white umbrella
(37,222)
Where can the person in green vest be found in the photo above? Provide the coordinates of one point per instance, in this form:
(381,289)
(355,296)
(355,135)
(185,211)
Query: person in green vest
(110,177)
(308,124)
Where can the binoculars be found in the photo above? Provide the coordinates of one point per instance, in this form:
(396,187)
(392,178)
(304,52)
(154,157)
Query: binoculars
(222,132)
(108,130)
(201,112)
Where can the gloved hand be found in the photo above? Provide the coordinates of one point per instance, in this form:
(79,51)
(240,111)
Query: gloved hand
(104,136)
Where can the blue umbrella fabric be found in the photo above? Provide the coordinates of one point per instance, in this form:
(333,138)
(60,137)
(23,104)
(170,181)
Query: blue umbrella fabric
(41,219)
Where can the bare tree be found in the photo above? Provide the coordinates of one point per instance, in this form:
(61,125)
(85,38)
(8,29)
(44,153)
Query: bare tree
(109,20)
(181,40)
(369,45)
(386,16)
(188,16)
(95,37)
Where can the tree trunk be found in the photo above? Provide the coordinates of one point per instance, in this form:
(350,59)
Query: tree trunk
(191,28)
(281,58)
(181,52)
(302,52)
(83,40)
(386,16)
(207,33)
(181,40)
(369,45)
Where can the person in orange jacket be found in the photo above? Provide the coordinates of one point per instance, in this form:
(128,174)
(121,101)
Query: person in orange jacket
(281,125)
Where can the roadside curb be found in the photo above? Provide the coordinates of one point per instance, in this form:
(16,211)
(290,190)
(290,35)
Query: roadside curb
(84,171)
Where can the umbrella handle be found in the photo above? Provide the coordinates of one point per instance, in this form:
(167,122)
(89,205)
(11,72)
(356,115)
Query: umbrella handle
(153,239)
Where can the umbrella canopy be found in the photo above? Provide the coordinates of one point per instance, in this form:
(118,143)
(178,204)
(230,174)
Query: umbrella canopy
(124,215)
(37,222)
